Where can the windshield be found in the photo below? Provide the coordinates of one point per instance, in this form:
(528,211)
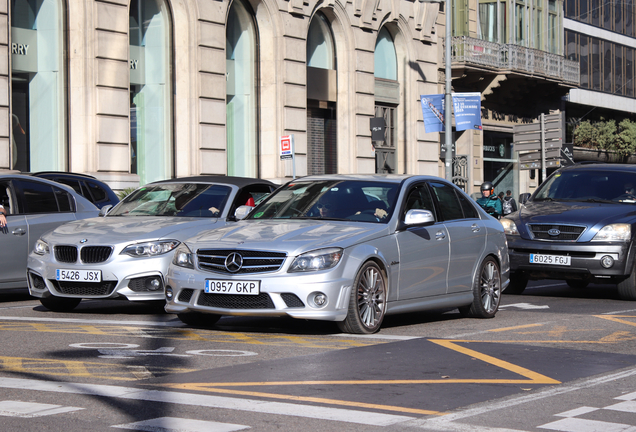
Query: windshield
(364,201)
(589,186)
(174,199)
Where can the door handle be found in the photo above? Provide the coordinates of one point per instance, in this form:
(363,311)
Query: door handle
(440,235)
(475,228)
(18,232)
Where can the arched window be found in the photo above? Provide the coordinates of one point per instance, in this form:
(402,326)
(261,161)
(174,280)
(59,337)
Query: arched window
(385,56)
(242,148)
(322,89)
(151,149)
(38,96)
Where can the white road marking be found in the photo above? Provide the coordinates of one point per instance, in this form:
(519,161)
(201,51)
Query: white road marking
(446,423)
(89,321)
(582,425)
(524,306)
(376,336)
(627,406)
(31,409)
(628,396)
(619,312)
(222,353)
(173,424)
(130,353)
(577,412)
(201,400)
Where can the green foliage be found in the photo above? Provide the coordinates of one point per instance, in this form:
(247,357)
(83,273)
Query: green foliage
(124,193)
(606,135)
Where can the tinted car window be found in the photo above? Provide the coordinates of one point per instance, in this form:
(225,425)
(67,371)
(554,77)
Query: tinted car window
(469,209)
(449,206)
(64,200)
(72,183)
(97,192)
(419,199)
(6,198)
(588,185)
(42,198)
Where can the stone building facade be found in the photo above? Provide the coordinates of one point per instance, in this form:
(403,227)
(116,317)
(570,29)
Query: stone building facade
(133,91)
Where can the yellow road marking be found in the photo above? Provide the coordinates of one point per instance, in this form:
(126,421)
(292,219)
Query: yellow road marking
(303,399)
(514,328)
(111,371)
(617,318)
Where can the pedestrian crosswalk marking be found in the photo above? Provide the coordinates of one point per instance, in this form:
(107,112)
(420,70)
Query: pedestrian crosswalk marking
(173,424)
(21,409)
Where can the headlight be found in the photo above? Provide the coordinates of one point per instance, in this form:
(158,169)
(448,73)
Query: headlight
(150,249)
(316,260)
(183,257)
(41,247)
(614,232)
(509,226)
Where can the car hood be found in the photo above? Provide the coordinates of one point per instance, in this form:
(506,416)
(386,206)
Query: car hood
(592,215)
(291,236)
(117,229)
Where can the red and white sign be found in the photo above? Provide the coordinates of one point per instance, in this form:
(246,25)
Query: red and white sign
(287,147)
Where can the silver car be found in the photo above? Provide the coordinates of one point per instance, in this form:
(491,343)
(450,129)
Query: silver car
(126,253)
(33,206)
(345,248)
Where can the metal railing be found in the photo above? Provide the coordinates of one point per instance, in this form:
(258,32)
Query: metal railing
(512,57)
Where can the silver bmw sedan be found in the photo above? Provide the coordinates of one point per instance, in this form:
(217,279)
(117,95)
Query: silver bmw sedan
(345,248)
(126,253)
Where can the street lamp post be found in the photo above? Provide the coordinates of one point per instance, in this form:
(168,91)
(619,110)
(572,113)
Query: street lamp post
(448,125)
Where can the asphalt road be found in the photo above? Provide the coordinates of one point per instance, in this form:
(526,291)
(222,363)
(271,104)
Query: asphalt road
(554,358)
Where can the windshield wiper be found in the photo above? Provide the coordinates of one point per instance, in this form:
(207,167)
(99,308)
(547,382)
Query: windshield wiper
(597,200)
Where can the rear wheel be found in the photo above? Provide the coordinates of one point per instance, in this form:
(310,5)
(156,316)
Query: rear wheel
(627,287)
(486,291)
(367,303)
(518,283)
(60,304)
(198,319)
(577,283)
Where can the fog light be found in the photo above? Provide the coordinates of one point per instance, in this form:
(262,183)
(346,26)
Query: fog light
(153,284)
(318,299)
(169,293)
(607,261)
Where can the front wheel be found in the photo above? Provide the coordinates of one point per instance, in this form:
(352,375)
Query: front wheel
(367,303)
(486,291)
(627,287)
(198,319)
(60,304)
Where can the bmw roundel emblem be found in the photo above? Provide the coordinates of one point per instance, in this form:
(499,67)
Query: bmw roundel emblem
(233,262)
(554,232)
(83,241)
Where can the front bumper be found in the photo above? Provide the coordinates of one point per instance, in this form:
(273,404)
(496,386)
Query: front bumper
(281,294)
(585,259)
(121,277)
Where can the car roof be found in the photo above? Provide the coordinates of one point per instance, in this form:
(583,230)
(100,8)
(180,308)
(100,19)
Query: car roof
(82,202)
(229,180)
(600,167)
(62,174)
(388,178)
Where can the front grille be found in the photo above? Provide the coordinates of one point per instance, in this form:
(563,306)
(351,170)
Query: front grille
(567,232)
(253,261)
(84,288)
(185,295)
(95,254)
(292,300)
(236,301)
(65,254)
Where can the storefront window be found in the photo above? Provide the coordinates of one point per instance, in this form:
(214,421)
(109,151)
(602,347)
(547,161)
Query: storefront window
(241,92)
(151,151)
(38,132)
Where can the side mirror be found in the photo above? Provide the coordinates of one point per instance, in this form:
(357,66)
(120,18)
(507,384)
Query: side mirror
(418,217)
(104,210)
(242,212)
(523,198)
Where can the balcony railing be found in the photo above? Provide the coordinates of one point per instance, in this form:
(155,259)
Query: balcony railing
(515,58)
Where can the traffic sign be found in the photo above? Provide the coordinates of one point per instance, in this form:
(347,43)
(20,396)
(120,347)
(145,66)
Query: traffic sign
(287,147)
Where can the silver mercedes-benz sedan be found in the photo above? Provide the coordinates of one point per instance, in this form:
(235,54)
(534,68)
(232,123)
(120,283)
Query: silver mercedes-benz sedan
(126,253)
(345,248)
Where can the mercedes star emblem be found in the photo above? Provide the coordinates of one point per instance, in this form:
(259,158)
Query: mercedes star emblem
(233,262)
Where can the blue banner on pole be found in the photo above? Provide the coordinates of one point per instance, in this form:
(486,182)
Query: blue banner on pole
(467,109)
(433,111)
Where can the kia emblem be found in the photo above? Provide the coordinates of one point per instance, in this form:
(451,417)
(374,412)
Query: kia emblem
(554,232)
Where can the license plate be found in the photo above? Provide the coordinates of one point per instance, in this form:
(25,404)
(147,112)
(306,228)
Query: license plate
(78,275)
(550,259)
(222,286)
